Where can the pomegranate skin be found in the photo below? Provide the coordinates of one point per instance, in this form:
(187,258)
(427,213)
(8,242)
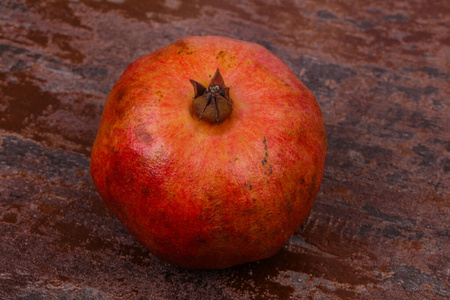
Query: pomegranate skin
(202,195)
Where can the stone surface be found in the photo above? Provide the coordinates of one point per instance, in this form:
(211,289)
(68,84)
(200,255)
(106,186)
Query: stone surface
(379,70)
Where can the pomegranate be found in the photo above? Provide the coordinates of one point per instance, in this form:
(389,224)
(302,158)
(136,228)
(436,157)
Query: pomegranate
(210,151)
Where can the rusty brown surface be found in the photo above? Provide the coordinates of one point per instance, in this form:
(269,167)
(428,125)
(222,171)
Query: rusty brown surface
(380,72)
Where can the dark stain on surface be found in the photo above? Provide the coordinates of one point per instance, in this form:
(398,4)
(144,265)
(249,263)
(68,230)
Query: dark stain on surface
(372,211)
(9,218)
(301,261)
(399,17)
(21,65)
(428,156)
(14,6)
(317,73)
(5,48)
(38,37)
(68,51)
(372,152)
(418,36)
(434,72)
(381,38)
(385,88)
(91,72)
(360,24)
(27,154)
(413,279)
(325,14)
(26,101)
(57,10)
(392,232)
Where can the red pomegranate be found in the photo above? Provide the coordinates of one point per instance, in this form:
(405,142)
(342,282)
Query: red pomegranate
(210,152)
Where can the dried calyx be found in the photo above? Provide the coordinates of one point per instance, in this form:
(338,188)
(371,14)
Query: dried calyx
(212,104)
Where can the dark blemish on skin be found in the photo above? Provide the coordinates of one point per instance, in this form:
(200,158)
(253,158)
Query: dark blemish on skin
(160,95)
(184,48)
(266,155)
(145,191)
(289,206)
(120,94)
(264,161)
(250,187)
(119,112)
(143,136)
(268,171)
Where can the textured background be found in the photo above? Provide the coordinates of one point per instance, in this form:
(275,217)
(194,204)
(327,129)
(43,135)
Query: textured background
(380,72)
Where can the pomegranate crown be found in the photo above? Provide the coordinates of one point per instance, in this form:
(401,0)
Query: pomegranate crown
(212,104)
